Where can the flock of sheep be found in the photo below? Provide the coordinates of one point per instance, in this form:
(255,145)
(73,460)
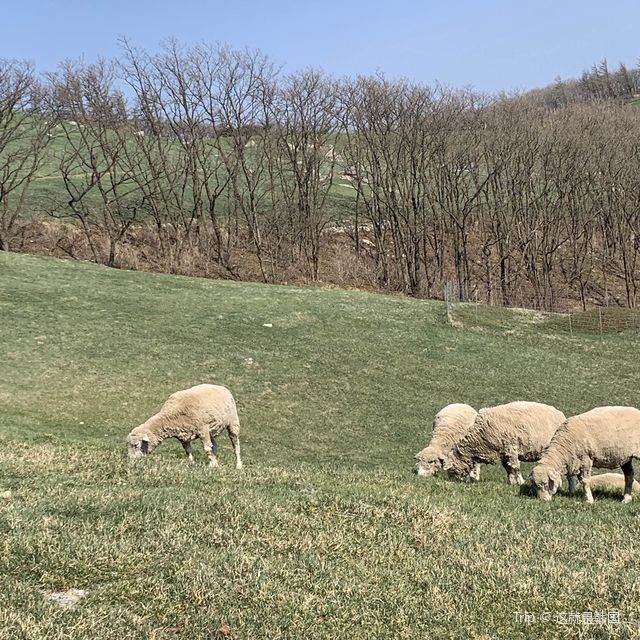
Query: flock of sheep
(605,437)
(462,439)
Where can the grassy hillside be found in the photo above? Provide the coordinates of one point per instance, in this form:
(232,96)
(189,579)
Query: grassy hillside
(326,533)
(47,190)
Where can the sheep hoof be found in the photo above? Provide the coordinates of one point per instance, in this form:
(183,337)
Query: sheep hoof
(239,465)
(626,500)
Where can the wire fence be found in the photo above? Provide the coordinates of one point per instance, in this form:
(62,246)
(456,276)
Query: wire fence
(598,321)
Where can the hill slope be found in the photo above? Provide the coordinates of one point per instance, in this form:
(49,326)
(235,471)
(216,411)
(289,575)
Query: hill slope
(326,532)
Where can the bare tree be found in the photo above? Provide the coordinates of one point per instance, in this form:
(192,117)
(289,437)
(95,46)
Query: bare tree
(24,137)
(157,159)
(305,132)
(95,124)
(246,90)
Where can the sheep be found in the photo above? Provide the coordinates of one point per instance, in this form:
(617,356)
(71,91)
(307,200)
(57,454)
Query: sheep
(605,437)
(508,433)
(449,425)
(203,411)
(613,482)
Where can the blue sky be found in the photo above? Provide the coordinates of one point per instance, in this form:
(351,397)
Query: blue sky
(486,44)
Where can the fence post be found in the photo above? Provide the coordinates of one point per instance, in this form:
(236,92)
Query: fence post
(447,301)
(600,321)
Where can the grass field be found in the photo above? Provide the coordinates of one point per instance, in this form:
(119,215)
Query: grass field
(326,533)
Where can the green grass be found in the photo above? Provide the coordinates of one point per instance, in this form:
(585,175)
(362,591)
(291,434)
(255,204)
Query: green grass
(326,533)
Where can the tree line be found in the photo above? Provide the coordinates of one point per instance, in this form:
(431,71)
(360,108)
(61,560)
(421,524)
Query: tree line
(213,157)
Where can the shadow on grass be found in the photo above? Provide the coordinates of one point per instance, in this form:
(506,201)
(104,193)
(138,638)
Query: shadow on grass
(603,494)
(528,491)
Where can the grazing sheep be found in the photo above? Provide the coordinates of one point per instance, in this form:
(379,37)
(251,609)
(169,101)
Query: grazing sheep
(508,434)
(203,411)
(449,426)
(605,437)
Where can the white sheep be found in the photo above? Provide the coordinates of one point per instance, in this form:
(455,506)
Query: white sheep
(449,426)
(203,411)
(508,433)
(613,482)
(605,437)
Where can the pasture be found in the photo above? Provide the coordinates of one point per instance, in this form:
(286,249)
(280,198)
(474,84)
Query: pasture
(326,532)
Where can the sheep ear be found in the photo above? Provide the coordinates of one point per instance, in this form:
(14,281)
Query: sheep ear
(446,464)
(555,481)
(145,438)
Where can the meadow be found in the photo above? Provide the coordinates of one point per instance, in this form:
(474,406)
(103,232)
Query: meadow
(326,532)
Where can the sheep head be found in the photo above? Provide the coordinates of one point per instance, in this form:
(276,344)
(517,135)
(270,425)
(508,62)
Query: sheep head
(139,444)
(428,462)
(458,466)
(546,481)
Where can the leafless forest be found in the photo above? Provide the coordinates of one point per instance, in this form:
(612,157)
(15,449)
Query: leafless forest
(215,162)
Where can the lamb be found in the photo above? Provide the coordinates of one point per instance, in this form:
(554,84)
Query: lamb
(508,433)
(449,426)
(203,411)
(605,437)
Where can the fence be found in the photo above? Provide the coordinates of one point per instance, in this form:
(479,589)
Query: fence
(599,320)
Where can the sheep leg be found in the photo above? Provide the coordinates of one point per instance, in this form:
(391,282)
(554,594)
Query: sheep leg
(627,468)
(475,473)
(210,448)
(512,467)
(186,444)
(585,478)
(234,436)
(509,470)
